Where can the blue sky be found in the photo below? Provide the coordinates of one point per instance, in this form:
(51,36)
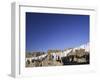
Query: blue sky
(55,31)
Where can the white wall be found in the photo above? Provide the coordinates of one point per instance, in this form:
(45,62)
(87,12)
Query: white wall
(5,40)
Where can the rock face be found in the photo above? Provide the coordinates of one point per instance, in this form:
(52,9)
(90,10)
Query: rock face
(69,56)
(78,55)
